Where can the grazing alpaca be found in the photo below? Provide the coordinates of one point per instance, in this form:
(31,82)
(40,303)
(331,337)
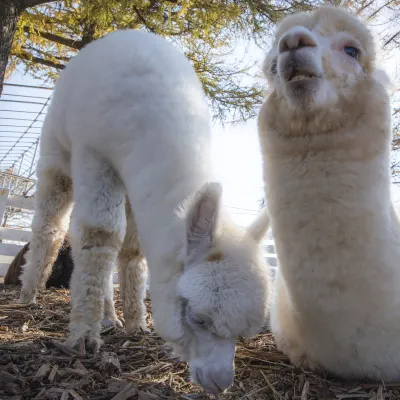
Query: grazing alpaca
(61,270)
(129,118)
(325,133)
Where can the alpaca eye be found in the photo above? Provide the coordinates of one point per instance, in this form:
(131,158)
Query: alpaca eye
(201,323)
(352,51)
(274,68)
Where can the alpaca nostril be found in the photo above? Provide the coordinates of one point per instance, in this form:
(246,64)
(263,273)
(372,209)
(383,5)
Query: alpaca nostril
(296,38)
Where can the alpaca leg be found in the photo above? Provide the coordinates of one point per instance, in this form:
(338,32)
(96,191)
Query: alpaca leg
(132,277)
(110,316)
(97,230)
(284,326)
(53,203)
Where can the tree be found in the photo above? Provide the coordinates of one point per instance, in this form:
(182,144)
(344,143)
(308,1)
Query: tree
(48,35)
(206,30)
(10,13)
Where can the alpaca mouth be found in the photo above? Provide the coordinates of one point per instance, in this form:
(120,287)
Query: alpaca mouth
(300,78)
(297,76)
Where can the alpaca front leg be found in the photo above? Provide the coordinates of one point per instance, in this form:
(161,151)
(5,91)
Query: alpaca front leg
(93,264)
(110,317)
(285,328)
(97,229)
(133,274)
(132,271)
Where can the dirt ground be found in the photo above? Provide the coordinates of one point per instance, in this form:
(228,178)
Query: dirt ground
(34,364)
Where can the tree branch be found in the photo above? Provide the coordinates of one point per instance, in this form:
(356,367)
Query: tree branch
(44,54)
(33,3)
(391,38)
(27,56)
(73,44)
(143,20)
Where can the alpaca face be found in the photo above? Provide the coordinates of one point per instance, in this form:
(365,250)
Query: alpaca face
(317,59)
(222,292)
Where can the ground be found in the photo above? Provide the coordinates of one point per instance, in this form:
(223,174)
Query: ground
(34,364)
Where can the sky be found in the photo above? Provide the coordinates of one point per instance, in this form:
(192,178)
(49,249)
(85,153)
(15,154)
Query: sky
(236,152)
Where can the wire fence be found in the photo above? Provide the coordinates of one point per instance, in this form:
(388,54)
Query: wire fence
(22,111)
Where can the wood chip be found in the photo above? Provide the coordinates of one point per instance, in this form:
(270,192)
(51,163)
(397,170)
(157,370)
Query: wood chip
(53,373)
(261,370)
(64,395)
(40,394)
(64,349)
(42,372)
(379,393)
(302,380)
(147,396)
(110,364)
(80,367)
(75,395)
(10,384)
(16,306)
(73,372)
(274,391)
(116,385)
(304,392)
(126,393)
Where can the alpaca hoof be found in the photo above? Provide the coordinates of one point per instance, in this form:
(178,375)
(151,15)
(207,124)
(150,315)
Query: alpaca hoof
(109,322)
(135,326)
(85,345)
(83,341)
(27,297)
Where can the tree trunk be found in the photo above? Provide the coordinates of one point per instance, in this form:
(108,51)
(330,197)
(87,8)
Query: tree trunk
(10,11)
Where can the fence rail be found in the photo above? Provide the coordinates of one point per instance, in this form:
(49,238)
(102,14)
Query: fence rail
(9,250)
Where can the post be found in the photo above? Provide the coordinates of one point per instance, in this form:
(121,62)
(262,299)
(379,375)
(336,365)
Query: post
(3,201)
(31,167)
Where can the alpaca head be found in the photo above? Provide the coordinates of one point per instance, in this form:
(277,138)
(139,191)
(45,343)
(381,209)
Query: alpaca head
(222,292)
(320,67)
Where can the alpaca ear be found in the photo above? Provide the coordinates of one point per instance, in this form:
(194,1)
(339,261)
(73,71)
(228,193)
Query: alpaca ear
(259,227)
(202,219)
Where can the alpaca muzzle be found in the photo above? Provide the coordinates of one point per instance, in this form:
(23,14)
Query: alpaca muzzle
(216,372)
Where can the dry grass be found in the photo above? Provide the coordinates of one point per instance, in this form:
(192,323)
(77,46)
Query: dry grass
(35,365)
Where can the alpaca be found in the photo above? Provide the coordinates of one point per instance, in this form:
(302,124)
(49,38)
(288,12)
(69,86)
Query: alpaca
(61,270)
(129,129)
(325,134)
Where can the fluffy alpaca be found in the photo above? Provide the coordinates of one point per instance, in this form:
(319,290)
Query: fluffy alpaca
(325,134)
(129,118)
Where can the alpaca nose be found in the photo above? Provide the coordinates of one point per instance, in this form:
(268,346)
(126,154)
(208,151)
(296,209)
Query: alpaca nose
(223,379)
(296,38)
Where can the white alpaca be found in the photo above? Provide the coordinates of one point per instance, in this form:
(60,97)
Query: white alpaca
(128,117)
(325,133)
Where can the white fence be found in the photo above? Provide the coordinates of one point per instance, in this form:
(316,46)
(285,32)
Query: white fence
(9,250)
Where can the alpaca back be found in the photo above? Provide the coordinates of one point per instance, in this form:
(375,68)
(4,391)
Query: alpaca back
(136,100)
(124,95)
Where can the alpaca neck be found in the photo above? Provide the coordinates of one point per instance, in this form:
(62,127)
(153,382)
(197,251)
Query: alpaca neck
(329,199)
